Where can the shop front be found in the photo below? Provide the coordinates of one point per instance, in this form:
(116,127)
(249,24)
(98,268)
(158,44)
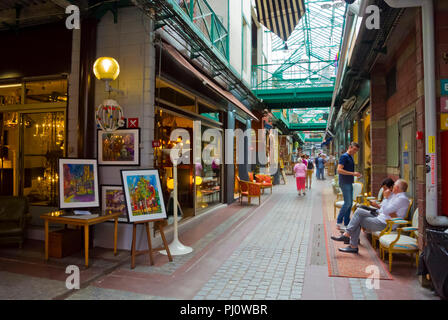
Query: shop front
(32,131)
(200,185)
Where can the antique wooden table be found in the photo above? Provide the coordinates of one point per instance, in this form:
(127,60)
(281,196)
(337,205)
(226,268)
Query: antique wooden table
(63,218)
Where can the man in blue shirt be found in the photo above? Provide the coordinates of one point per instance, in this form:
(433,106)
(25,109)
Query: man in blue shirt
(321,167)
(346,171)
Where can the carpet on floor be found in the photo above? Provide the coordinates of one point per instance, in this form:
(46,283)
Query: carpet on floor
(341,264)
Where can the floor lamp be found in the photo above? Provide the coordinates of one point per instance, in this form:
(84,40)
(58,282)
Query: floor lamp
(176,247)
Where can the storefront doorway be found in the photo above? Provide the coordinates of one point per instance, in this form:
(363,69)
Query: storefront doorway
(407,151)
(32,143)
(32,139)
(200,185)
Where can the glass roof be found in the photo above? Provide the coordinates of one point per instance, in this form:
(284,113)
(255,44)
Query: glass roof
(308,115)
(309,57)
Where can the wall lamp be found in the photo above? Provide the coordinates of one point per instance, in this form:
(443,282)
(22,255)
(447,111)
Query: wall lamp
(107,69)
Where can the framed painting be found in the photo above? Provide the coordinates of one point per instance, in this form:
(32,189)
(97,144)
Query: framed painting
(112,201)
(119,147)
(78,183)
(143,194)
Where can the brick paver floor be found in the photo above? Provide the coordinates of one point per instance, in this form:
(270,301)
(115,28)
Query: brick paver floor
(274,251)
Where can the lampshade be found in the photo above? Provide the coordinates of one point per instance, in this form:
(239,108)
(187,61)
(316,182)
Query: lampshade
(170,184)
(106,68)
(198,180)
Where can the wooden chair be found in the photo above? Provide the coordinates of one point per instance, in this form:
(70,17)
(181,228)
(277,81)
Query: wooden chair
(249,189)
(391,242)
(357,193)
(377,234)
(265,181)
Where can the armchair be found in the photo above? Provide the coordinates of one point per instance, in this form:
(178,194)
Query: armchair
(377,234)
(249,189)
(396,242)
(357,192)
(264,180)
(13,219)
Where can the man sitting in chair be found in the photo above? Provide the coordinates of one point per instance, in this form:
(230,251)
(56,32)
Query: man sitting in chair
(394,205)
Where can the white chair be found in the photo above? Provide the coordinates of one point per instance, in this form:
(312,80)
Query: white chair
(379,198)
(395,242)
(377,234)
(357,192)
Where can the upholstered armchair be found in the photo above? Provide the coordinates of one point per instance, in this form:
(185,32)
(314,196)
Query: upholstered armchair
(13,218)
(397,242)
(250,190)
(377,234)
(265,181)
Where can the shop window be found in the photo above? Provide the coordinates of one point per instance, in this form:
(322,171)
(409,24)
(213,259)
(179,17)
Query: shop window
(166,122)
(391,82)
(10,94)
(46,91)
(208,178)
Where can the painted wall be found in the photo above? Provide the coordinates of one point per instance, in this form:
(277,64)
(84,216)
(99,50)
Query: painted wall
(127,41)
(239,60)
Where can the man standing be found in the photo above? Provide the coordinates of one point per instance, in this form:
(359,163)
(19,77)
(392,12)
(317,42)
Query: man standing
(346,171)
(321,166)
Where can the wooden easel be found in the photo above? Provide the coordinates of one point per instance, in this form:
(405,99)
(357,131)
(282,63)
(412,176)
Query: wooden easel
(135,253)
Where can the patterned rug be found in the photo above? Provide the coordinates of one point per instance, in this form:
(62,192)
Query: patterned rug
(340,264)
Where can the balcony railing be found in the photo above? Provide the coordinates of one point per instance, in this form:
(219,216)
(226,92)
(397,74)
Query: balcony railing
(293,75)
(208,22)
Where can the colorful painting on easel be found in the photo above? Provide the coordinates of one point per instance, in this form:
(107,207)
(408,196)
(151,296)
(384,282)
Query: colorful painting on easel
(143,194)
(78,184)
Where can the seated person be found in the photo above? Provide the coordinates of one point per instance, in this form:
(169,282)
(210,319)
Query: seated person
(395,205)
(387,186)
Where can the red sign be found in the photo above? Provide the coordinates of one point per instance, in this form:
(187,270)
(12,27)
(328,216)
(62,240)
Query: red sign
(156,144)
(132,122)
(444,104)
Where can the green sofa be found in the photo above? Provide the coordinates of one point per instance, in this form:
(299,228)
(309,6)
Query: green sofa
(13,219)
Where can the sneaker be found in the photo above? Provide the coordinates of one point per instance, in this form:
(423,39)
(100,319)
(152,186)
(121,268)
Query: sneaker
(340,226)
(304,193)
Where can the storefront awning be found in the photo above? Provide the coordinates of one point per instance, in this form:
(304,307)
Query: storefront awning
(225,94)
(280,16)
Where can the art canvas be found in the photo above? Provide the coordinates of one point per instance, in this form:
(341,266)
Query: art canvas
(113,201)
(143,193)
(78,183)
(120,147)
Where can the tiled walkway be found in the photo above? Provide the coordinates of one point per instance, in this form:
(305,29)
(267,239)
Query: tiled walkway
(273,251)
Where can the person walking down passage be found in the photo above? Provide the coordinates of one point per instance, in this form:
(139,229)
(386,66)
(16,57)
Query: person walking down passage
(320,167)
(300,173)
(309,173)
(346,171)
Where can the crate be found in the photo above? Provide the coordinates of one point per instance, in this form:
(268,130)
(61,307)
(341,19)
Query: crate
(65,242)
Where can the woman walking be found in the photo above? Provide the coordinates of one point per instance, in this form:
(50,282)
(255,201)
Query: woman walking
(309,172)
(300,173)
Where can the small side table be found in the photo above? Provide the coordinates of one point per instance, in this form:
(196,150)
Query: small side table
(63,217)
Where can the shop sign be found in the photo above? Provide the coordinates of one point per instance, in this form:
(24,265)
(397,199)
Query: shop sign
(444,104)
(132,123)
(444,84)
(444,121)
